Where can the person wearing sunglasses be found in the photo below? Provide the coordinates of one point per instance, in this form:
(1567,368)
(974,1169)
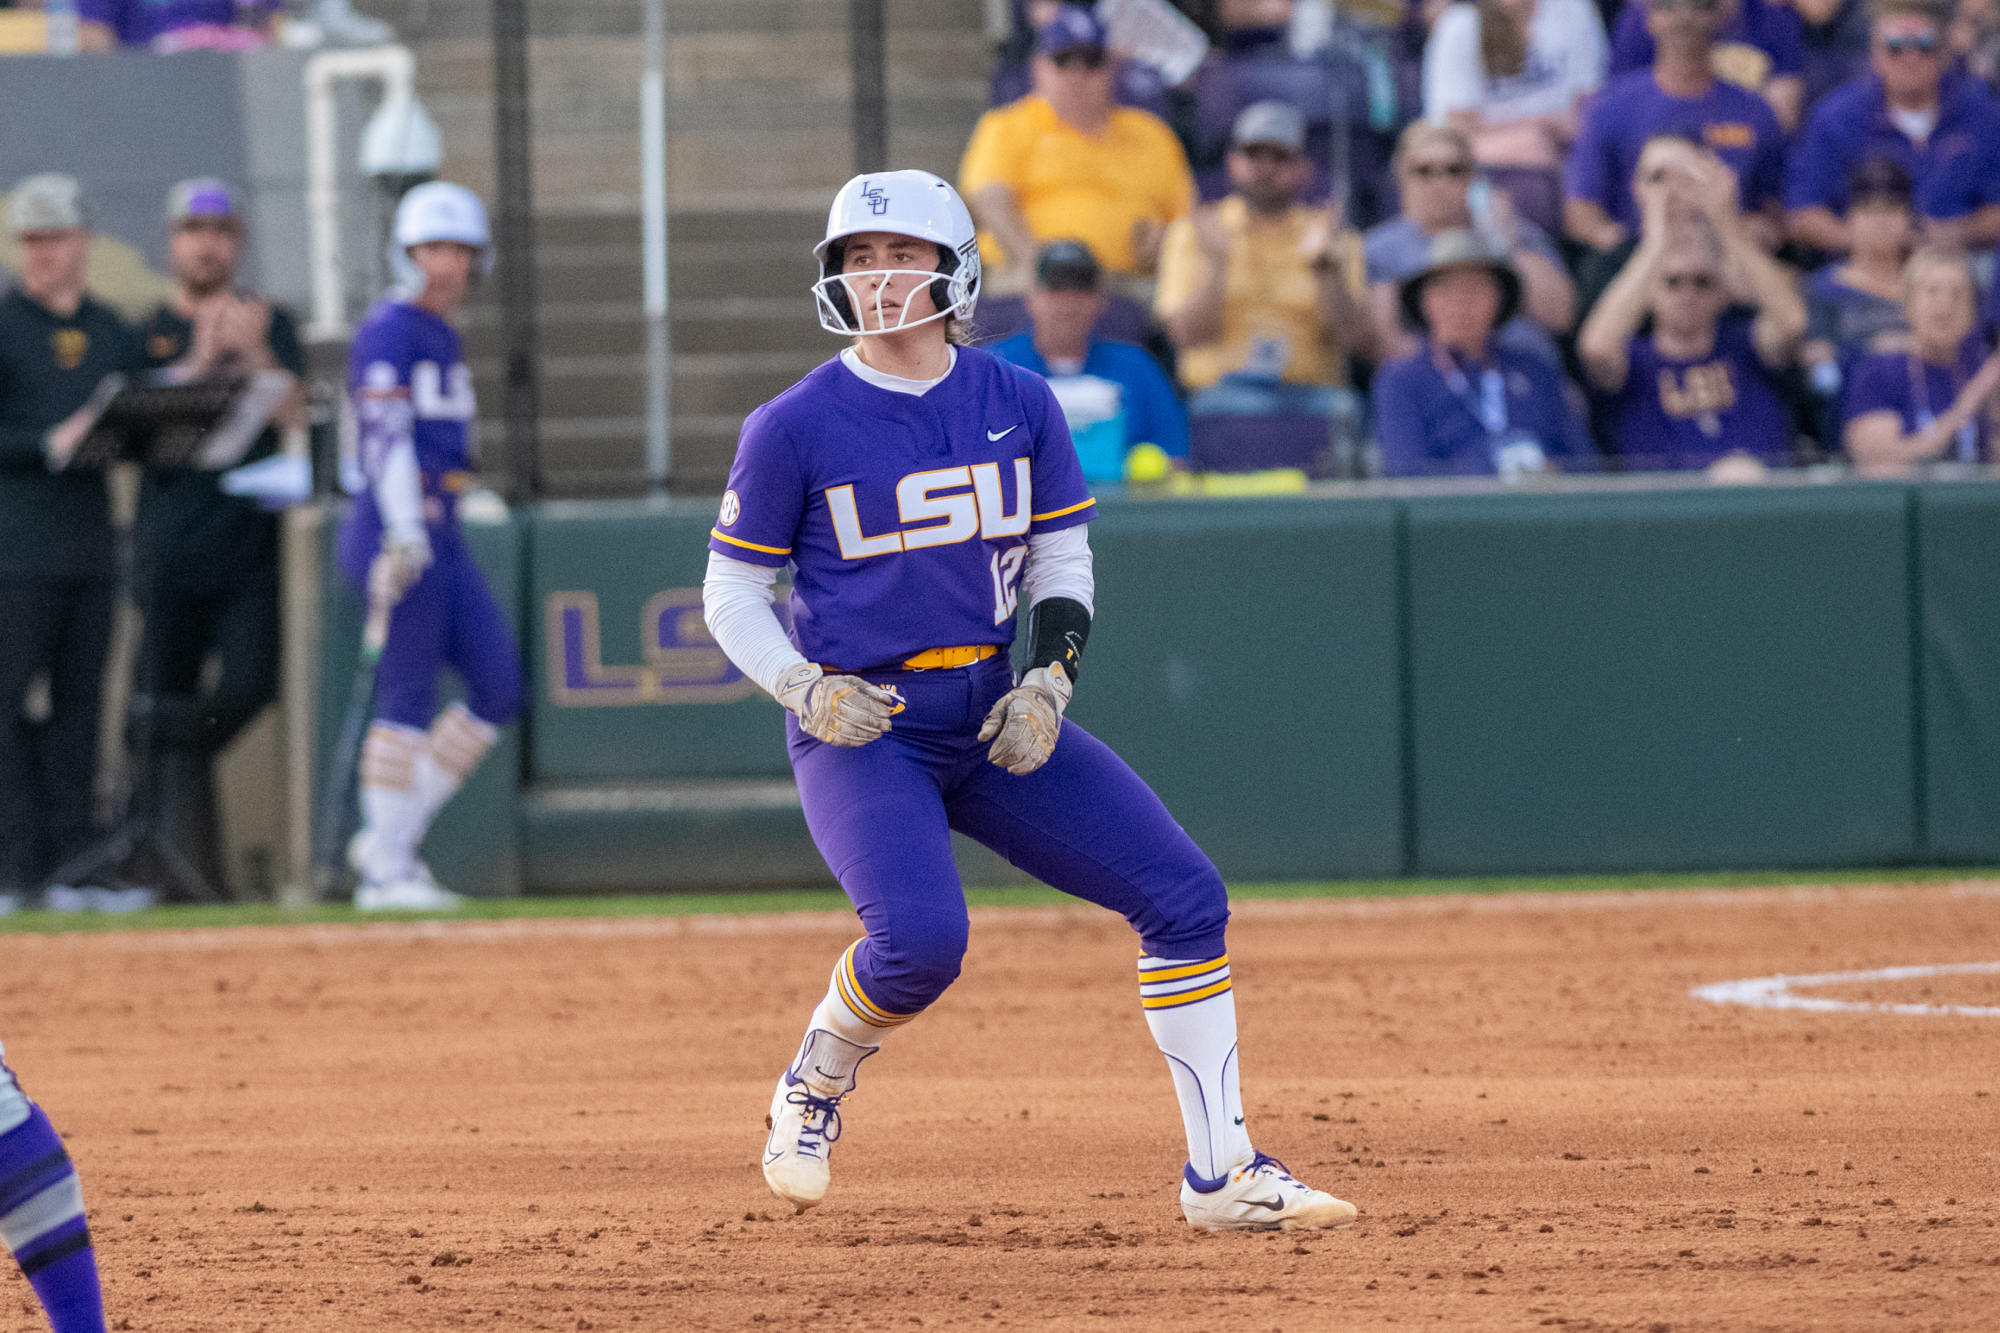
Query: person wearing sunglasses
(1697,390)
(1435,174)
(1934,401)
(1066,162)
(1680,94)
(1942,127)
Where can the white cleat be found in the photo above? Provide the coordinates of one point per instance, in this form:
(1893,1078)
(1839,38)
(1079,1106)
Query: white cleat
(803,1126)
(418,893)
(1262,1196)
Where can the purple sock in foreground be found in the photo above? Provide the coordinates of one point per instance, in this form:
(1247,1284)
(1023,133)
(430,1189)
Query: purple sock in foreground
(42,1223)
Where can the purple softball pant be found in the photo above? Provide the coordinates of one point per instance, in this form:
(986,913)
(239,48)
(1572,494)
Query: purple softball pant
(447,618)
(1084,823)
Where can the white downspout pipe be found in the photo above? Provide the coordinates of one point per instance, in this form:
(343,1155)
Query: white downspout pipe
(397,70)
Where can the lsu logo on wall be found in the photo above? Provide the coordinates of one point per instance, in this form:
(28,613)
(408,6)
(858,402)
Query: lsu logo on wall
(683,664)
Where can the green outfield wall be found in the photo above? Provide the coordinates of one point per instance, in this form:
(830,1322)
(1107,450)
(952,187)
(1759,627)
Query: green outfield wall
(1359,685)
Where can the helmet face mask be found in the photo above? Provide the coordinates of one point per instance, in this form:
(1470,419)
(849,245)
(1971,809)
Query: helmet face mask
(913,204)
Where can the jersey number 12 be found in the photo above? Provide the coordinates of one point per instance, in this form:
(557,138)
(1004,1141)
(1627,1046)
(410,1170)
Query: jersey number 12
(1006,569)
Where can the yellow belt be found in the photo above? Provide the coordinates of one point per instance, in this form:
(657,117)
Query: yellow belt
(933,659)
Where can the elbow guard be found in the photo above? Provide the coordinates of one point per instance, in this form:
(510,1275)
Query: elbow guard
(1058,627)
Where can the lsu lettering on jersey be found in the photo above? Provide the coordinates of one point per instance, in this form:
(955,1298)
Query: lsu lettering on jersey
(905,520)
(411,389)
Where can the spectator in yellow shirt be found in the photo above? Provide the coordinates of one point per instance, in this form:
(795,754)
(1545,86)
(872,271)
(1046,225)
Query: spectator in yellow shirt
(1066,162)
(1263,297)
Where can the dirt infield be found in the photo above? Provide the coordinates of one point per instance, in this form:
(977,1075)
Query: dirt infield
(555,1125)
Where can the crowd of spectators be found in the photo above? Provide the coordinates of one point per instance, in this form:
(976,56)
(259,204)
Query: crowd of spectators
(1512,236)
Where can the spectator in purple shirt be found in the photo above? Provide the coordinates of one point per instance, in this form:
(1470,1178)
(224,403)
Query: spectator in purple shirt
(1464,404)
(1935,401)
(1944,130)
(1678,95)
(176,25)
(1696,389)
(1762,49)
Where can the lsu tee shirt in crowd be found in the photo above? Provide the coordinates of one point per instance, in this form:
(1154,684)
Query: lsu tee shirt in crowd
(1737,125)
(1918,392)
(1674,415)
(905,519)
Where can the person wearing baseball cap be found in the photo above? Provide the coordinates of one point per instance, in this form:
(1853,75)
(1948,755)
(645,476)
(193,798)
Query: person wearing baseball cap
(213,556)
(1066,161)
(1261,295)
(57,345)
(1466,404)
(1113,394)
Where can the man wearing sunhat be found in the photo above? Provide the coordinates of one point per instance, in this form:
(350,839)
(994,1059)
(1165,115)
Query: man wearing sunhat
(212,557)
(57,345)
(1261,295)
(1464,404)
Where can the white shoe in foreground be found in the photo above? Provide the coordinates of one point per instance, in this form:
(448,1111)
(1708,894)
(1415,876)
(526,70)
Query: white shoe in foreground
(1262,1196)
(803,1127)
(419,893)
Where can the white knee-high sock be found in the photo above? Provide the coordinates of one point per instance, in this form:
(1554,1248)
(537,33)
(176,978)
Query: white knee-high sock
(1192,1014)
(457,741)
(389,810)
(846,1014)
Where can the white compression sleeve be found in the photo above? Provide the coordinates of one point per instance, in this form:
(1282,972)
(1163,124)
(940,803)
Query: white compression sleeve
(399,494)
(1059,566)
(736,599)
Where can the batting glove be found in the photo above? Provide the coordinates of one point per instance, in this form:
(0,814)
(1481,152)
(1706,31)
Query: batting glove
(396,568)
(840,710)
(1024,724)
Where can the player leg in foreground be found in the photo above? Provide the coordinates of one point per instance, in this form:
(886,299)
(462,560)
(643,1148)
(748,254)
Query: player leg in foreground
(41,1214)
(1081,821)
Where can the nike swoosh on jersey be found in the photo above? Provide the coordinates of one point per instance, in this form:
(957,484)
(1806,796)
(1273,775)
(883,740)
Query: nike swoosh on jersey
(1001,435)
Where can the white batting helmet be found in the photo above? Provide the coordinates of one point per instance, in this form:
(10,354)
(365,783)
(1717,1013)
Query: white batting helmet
(438,211)
(907,203)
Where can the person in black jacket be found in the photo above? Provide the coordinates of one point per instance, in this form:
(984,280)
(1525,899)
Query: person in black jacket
(56,565)
(211,557)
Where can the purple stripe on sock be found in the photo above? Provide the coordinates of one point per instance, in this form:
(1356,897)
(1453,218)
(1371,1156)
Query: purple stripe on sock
(70,1291)
(32,1158)
(52,1247)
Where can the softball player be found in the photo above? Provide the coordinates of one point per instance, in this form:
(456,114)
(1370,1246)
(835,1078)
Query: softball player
(411,395)
(918,489)
(42,1222)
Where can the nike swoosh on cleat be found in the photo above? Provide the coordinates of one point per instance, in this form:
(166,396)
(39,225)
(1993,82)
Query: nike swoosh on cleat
(1275,1205)
(1001,435)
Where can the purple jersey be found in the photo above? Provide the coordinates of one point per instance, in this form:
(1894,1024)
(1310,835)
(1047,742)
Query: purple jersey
(905,520)
(138,22)
(1675,414)
(1919,392)
(408,382)
(1737,125)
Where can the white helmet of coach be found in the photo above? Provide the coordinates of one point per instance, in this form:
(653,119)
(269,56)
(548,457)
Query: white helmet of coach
(438,211)
(906,203)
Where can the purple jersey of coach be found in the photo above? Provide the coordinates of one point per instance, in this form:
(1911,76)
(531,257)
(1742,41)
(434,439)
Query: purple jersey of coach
(905,519)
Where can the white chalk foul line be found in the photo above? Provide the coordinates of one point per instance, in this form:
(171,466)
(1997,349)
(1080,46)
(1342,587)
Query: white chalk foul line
(1776,992)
